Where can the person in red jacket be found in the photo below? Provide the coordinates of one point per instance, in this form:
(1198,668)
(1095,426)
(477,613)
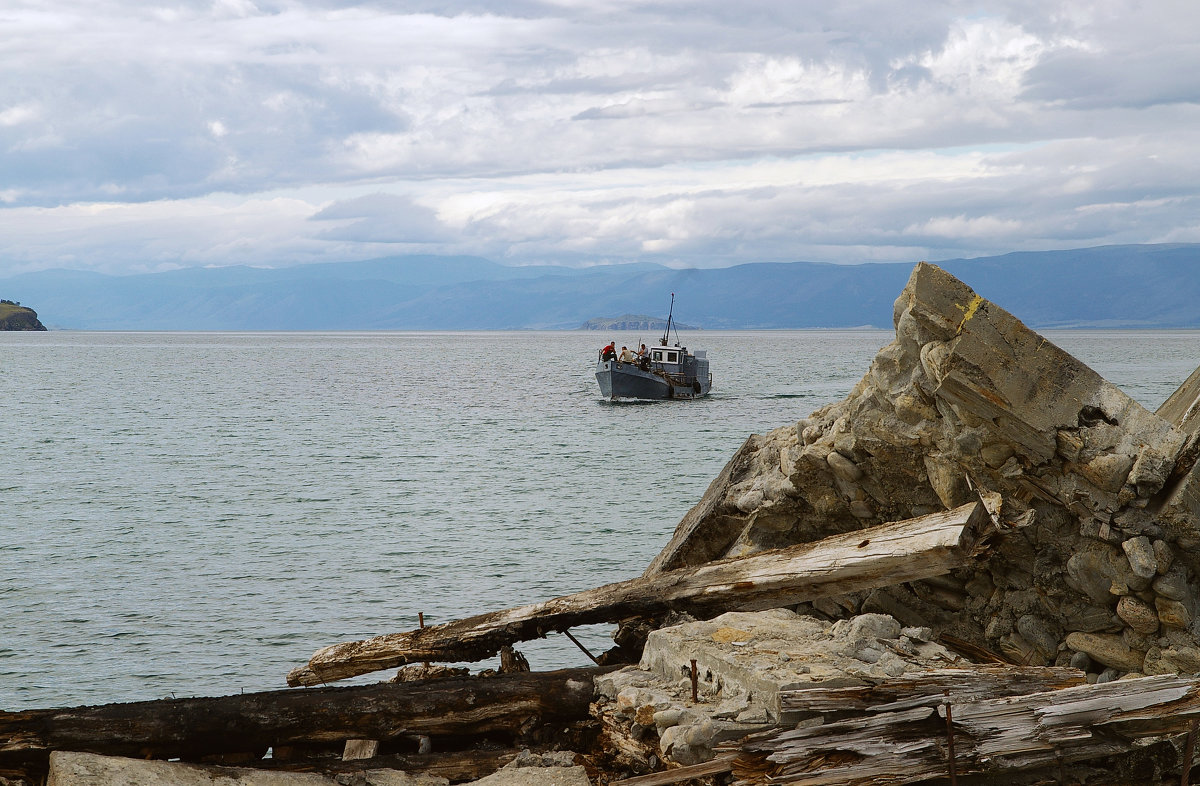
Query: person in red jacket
(609,352)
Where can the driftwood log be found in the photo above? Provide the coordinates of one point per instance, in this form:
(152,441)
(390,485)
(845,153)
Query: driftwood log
(928,735)
(252,722)
(880,556)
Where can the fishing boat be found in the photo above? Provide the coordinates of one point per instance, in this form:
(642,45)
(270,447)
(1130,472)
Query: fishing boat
(669,371)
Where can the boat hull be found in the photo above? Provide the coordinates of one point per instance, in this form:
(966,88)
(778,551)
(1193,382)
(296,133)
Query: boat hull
(625,380)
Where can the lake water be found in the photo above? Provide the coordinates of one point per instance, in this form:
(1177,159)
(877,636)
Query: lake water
(194,514)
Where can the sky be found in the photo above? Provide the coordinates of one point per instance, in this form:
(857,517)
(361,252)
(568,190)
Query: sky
(138,136)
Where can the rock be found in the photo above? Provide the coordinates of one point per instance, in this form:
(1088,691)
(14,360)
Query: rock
(1173,613)
(1173,584)
(995,455)
(1100,572)
(749,501)
(1164,557)
(1150,471)
(843,467)
(675,747)
(1037,632)
(1107,649)
(1140,553)
(1138,614)
(1108,471)
(866,626)
(700,735)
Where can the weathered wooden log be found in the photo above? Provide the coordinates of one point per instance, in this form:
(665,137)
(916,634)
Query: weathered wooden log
(864,559)
(909,744)
(252,722)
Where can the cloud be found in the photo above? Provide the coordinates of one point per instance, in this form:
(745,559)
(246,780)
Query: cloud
(382,218)
(697,134)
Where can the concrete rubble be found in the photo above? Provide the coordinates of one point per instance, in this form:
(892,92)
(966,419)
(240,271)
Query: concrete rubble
(1102,574)
(89,769)
(1084,601)
(744,660)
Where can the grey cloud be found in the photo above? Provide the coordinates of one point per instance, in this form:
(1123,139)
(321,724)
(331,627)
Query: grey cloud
(1079,80)
(383,218)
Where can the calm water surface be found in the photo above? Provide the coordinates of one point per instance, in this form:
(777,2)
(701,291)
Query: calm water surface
(195,514)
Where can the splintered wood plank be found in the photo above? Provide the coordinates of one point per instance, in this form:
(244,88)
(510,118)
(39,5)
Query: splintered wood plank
(864,559)
(928,688)
(909,744)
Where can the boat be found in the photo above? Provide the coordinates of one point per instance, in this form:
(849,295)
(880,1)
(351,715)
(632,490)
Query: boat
(670,371)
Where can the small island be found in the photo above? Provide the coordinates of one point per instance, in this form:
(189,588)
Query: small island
(14,316)
(632,322)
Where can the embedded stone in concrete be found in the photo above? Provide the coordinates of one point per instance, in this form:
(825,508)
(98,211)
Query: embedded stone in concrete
(1138,614)
(1107,649)
(1140,553)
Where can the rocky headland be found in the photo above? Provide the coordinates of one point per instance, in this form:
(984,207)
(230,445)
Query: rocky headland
(14,316)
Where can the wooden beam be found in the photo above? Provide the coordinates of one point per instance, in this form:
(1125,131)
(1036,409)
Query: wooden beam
(717,766)
(864,559)
(325,717)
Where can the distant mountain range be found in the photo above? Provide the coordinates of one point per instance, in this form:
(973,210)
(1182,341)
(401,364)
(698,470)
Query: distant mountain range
(1111,286)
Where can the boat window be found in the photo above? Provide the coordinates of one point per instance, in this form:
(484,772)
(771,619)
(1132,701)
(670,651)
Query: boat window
(672,357)
(656,356)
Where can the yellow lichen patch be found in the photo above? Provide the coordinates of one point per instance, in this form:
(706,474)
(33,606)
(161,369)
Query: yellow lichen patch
(968,311)
(728,635)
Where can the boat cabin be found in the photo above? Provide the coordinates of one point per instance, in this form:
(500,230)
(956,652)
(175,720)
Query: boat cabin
(672,355)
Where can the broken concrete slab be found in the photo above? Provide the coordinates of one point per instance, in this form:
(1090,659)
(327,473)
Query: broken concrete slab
(745,663)
(759,655)
(1103,492)
(531,769)
(69,768)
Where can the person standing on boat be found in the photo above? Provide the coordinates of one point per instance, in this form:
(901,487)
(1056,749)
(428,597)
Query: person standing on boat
(626,355)
(609,352)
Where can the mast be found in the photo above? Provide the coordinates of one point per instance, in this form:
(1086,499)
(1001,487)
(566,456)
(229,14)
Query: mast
(667,331)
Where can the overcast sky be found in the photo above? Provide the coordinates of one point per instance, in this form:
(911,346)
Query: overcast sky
(137,135)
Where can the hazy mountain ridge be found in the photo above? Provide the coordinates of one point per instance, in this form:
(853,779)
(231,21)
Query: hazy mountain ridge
(1110,286)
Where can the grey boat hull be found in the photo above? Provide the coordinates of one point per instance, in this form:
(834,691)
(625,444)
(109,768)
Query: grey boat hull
(626,380)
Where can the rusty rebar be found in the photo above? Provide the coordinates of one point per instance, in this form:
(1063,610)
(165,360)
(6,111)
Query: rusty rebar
(950,741)
(582,648)
(1189,750)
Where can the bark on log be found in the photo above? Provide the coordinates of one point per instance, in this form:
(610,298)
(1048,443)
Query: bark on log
(192,728)
(864,559)
(908,744)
